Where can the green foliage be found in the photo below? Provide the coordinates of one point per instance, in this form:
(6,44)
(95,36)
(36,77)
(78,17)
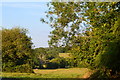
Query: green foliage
(40,54)
(25,68)
(16,50)
(56,63)
(44,55)
(91,30)
(52,53)
(65,15)
(107,30)
(71,62)
(60,62)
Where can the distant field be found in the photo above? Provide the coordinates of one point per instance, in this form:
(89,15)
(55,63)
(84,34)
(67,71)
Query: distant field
(52,73)
(65,55)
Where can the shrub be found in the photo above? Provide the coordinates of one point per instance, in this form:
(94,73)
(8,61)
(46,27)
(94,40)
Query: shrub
(23,68)
(16,50)
(56,63)
(20,68)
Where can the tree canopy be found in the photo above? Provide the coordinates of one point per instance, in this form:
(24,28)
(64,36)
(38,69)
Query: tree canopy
(16,50)
(90,29)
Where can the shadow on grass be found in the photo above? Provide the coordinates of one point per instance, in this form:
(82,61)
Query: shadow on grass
(98,75)
(43,79)
(58,79)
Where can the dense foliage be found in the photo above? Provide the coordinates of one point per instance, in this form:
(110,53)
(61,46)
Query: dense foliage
(16,51)
(48,58)
(91,30)
(18,55)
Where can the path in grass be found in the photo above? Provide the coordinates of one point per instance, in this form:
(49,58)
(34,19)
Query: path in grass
(53,73)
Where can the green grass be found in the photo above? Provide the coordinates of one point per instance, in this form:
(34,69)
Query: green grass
(51,73)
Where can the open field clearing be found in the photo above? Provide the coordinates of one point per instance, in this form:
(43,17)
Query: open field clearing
(52,73)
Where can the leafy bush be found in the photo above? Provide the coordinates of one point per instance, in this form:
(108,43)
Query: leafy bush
(20,68)
(81,64)
(16,50)
(23,68)
(56,63)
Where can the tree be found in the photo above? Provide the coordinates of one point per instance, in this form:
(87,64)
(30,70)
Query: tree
(41,55)
(64,18)
(16,50)
(92,30)
(44,55)
(104,18)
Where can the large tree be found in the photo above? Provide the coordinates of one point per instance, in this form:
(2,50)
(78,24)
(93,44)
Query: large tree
(92,29)
(16,50)
(65,19)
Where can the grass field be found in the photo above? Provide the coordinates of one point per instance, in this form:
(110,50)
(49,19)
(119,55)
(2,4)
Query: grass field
(52,73)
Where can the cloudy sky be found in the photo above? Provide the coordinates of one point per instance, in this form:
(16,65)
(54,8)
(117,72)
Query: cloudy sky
(27,15)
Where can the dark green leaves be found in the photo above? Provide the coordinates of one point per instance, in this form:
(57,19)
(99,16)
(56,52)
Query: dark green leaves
(16,49)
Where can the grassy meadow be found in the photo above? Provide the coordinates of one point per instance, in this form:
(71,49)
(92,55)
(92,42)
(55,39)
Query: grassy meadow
(52,73)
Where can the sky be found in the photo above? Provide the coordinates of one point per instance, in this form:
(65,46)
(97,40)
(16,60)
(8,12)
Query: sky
(27,15)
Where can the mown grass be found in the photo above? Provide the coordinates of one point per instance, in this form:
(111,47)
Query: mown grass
(51,73)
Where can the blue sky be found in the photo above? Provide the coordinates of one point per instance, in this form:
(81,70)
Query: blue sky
(27,15)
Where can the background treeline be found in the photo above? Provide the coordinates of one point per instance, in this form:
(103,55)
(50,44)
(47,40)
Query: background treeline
(48,58)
